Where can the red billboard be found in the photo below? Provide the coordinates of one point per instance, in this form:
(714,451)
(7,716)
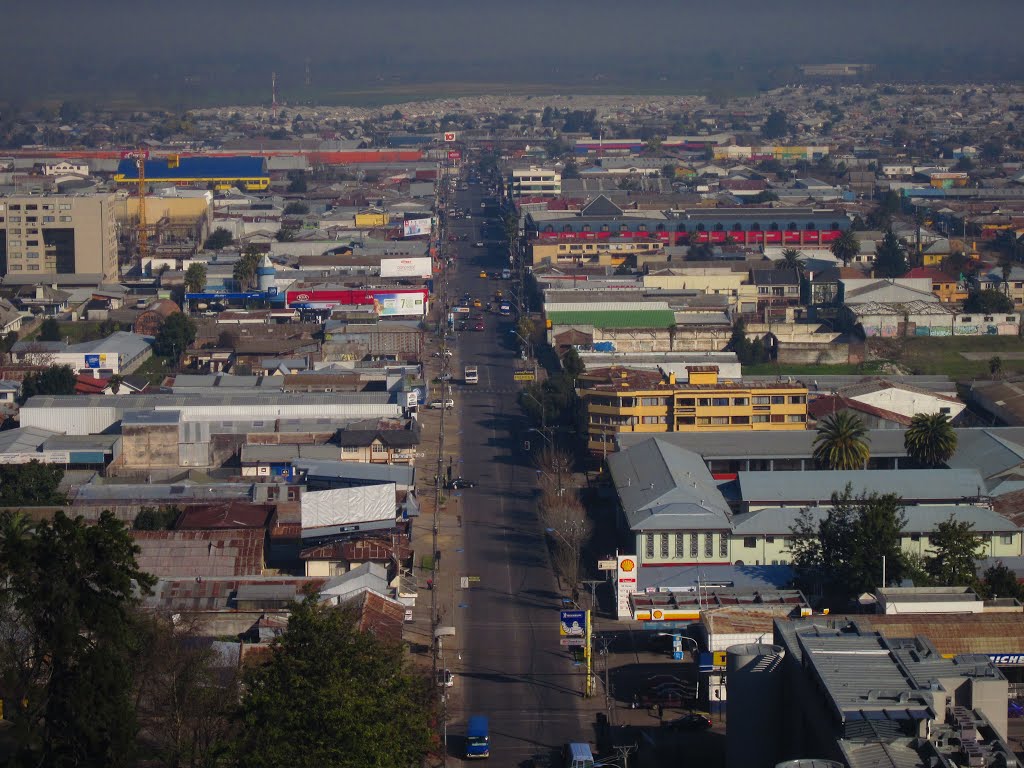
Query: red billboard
(387,301)
(454,154)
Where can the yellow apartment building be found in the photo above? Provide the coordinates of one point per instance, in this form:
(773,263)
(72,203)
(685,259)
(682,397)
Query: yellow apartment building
(597,252)
(619,399)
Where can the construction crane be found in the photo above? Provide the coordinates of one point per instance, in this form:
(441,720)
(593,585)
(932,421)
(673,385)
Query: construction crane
(140,156)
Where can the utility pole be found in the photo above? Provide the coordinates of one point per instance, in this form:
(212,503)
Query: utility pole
(605,642)
(624,751)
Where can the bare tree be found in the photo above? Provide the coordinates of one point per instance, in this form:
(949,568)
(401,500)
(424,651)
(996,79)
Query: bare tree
(186,694)
(563,515)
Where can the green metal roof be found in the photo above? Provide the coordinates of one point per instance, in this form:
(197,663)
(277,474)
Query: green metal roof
(633,318)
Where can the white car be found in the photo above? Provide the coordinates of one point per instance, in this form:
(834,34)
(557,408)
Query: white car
(439,404)
(445,678)
(408,615)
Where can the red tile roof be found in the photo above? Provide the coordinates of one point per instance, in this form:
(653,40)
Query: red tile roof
(229,514)
(821,407)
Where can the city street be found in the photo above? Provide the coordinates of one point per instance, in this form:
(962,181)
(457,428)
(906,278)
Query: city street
(512,668)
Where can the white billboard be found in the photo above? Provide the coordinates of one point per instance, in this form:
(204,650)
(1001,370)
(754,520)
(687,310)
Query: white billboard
(328,512)
(626,584)
(415,266)
(416,227)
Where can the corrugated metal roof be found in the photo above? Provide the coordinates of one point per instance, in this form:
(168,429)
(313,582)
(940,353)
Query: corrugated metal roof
(779,521)
(196,167)
(616,319)
(792,487)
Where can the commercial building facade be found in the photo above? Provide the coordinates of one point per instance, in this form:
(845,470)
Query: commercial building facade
(635,400)
(535,182)
(58,235)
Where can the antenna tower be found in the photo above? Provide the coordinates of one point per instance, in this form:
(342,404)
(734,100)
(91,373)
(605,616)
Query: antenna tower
(273,94)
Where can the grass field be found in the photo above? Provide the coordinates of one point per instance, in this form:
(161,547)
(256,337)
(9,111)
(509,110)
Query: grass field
(943,355)
(73,333)
(155,369)
(774,369)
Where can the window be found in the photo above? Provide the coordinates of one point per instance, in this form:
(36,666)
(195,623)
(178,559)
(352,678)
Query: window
(723,546)
(33,267)
(32,255)
(1006,539)
(709,545)
(379,448)
(797,399)
(693,545)
(737,227)
(47,219)
(749,542)
(760,419)
(15,219)
(15,267)
(350,449)
(31,218)
(64,206)
(915,537)
(680,545)
(966,319)
(686,401)
(32,207)
(778,399)
(585,228)
(703,421)
(649,401)
(664,545)
(988,318)
(15,207)
(740,419)
(769,539)
(649,546)
(655,420)
(720,420)
(719,401)
(604,227)
(740,401)
(811,227)
(687,420)
(791,226)
(641,228)
(719,228)
(762,400)
(65,218)
(944,410)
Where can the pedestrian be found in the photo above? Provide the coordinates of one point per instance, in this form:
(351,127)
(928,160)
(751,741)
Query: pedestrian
(636,701)
(430,584)
(661,713)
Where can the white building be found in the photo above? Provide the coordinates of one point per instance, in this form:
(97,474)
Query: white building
(535,182)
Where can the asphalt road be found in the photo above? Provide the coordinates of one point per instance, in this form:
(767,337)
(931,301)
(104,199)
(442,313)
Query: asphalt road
(512,667)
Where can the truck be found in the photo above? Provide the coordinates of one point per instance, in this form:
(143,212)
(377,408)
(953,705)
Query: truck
(478,743)
(471,375)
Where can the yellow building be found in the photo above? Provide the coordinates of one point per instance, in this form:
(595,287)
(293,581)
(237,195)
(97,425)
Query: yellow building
(597,252)
(631,400)
(372,218)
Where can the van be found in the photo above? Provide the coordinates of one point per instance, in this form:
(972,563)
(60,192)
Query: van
(478,743)
(578,755)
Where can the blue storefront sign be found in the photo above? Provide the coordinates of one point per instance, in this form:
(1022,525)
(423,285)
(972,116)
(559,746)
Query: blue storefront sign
(92,361)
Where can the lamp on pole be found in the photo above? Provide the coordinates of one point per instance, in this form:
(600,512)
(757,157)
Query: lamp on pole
(529,345)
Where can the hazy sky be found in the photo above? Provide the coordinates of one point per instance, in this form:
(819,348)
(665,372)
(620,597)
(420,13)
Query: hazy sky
(203,49)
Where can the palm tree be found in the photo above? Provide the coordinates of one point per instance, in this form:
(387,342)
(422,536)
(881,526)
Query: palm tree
(195,278)
(115,382)
(790,260)
(930,439)
(845,247)
(245,269)
(842,442)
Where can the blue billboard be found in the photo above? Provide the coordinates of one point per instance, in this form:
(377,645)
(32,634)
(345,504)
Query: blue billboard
(572,623)
(92,361)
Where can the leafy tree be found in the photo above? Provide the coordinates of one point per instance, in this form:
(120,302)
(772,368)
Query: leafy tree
(955,549)
(176,335)
(53,380)
(891,257)
(573,364)
(219,238)
(297,182)
(775,126)
(31,484)
(296,209)
(930,439)
(845,247)
(668,171)
(988,301)
(840,555)
(108,327)
(69,589)
(992,150)
(285,235)
(244,271)
(160,518)
(115,383)
(842,442)
(1000,581)
(8,341)
(995,366)
(571,170)
(964,164)
(361,704)
(49,330)
(195,277)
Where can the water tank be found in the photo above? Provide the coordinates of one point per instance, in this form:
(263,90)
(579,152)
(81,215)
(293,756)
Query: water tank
(266,274)
(754,705)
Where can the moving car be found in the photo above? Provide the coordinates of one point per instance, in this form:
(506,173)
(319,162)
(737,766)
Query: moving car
(577,754)
(439,404)
(478,742)
(477,304)
(460,482)
(478,325)
(478,244)
(690,722)
(483,274)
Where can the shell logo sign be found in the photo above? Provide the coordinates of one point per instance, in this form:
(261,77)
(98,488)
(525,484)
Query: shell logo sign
(625,584)
(658,615)
(627,565)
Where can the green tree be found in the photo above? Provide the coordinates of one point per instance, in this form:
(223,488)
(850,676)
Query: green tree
(219,238)
(68,592)
(573,364)
(668,171)
(842,442)
(964,164)
(930,440)
(790,260)
(845,247)
(955,550)
(297,182)
(156,518)
(176,335)
(571,170)
(195,277)
(988,301)
(49,330)
(31,484)
(995,366)
(840,555)
(115,382)
(108,327)
(361,704)
(1000,581)
(891,257)
(53,380)
(775,126)
(244,271)
(296,208)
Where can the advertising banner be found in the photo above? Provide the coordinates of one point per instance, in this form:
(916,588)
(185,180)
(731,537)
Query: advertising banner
(95,361)
(416,227)
(418,266)
(625,584)
(572,624)
(386,301)
(394,304)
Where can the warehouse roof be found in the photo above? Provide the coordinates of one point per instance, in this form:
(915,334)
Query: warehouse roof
(157,169)
(399,474)
(640,318)
(910,484)
(924,518)
(212,400)
(175,554)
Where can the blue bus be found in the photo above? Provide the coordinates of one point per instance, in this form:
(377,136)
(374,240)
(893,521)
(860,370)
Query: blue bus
(477,739)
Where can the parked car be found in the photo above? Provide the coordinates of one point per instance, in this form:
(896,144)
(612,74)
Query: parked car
(445,678)
(690,722)
(439,404)
(460,482)
(442,353)
(478,244)
(1014,709)
(408,615)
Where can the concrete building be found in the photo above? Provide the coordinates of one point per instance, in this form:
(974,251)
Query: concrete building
(843,693)
(535,182)
(120,353)
(59,235)
(634,400)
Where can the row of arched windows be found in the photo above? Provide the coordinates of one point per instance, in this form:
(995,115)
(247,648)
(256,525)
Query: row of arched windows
(755,227)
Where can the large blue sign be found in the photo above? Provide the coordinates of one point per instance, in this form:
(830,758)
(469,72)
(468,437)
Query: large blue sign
(572,624)
(92,361)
